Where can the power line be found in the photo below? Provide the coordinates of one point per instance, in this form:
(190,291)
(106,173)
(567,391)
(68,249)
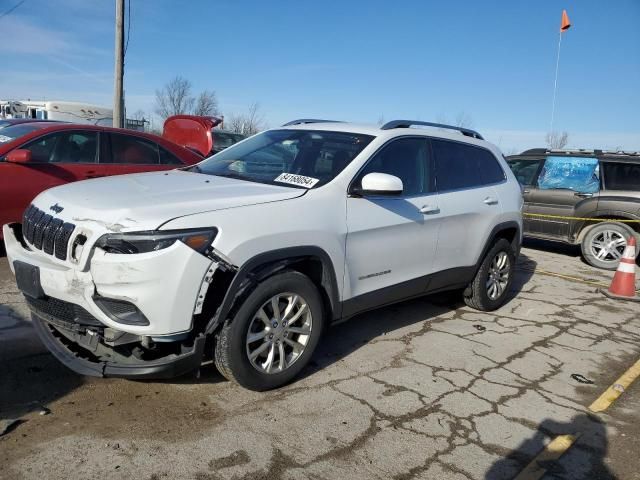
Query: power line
(4,14)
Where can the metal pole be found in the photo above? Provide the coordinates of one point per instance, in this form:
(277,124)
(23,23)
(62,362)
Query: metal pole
(118,99)
(555,85)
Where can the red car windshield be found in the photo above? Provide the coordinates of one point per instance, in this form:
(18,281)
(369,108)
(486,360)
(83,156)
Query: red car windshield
(9,134)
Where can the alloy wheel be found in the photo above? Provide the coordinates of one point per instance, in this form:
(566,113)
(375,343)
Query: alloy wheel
(499,272)
(279,333)
(608,246)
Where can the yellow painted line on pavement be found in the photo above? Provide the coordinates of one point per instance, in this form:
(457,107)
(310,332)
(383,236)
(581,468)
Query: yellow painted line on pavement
(538,466)
(612,393)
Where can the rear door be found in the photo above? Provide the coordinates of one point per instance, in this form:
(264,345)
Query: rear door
(567,188)
(132,154)
(56,159)
(470,205)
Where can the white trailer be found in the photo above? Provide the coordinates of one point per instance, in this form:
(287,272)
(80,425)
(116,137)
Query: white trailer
(76,112)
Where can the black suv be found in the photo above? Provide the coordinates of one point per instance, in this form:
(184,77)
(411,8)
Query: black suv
(564,188)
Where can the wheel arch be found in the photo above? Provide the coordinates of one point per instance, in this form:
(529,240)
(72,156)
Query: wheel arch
(312,261)
(508,230)
(613,216)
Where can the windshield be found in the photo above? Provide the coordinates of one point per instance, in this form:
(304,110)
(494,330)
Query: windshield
(9,134)
(302,158)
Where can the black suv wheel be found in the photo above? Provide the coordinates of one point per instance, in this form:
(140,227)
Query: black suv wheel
(274,333)
(492,282)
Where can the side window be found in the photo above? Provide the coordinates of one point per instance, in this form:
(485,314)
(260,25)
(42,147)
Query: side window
(460,166)
(525,170)
(41,149)
(621,176)
(133,150)
(168,158)
(581,174)
(405,158)
(68,147)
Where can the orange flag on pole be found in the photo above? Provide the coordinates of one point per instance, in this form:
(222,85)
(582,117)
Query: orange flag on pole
(565,23)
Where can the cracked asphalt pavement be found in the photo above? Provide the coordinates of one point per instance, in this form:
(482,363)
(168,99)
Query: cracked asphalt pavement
(427,389)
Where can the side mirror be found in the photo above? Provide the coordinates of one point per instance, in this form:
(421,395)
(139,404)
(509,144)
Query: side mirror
(380,184)
(19,155)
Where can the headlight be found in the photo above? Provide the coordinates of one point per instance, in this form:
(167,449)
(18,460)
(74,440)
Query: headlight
(142,242)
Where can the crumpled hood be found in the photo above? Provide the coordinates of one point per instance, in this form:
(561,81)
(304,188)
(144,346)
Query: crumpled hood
(145,201)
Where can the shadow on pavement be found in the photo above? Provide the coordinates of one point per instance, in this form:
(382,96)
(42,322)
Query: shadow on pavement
(343,339)
(583,460)
(30,377)
(551,246)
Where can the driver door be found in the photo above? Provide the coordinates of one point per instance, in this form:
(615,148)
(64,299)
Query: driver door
(391,240)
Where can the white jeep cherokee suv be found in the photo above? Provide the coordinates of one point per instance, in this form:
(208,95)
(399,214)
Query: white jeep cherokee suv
(246,257)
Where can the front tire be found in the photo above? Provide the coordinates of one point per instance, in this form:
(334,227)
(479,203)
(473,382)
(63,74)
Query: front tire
(490,287)
(604,244)
(274,333)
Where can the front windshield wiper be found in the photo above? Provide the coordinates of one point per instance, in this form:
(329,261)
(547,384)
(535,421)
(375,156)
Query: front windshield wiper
(237,176)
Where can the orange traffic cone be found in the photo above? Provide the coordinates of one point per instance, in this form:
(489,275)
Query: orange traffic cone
(623,286)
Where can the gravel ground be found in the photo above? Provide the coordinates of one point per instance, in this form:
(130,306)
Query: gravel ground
(428,389)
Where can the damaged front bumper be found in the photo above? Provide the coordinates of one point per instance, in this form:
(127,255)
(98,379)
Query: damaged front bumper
(76,356)
(69,314)
(163,286)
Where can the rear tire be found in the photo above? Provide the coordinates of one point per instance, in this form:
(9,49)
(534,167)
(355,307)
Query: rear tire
(604,243)
(274,333)
(490,287)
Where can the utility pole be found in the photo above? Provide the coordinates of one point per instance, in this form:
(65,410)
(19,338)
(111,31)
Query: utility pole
(118,99)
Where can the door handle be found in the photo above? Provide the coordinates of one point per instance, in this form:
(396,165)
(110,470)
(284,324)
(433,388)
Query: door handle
(429,209)
(525,191)
(583,195)
(491,201)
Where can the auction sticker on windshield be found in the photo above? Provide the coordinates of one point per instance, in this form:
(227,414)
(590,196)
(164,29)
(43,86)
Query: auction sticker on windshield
(299,180)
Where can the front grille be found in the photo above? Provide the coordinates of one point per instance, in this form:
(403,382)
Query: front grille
(66,312)
(46,233)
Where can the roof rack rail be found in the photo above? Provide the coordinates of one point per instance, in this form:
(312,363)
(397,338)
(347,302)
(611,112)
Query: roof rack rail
(409,123)
(303,121)
(534,151)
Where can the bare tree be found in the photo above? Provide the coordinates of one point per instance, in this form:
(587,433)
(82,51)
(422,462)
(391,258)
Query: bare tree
(139,115)
(557,140)
(248,123)
(206,104)
(464,120)
(381,120)
(174,98)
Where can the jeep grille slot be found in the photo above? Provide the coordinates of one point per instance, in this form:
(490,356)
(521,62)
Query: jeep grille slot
(46,233)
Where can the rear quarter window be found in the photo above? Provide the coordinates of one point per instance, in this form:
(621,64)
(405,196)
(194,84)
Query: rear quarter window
(621,176)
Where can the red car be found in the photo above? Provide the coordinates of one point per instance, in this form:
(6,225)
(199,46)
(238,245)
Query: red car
(40,155)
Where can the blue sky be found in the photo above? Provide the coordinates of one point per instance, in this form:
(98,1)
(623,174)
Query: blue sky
(352,60)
